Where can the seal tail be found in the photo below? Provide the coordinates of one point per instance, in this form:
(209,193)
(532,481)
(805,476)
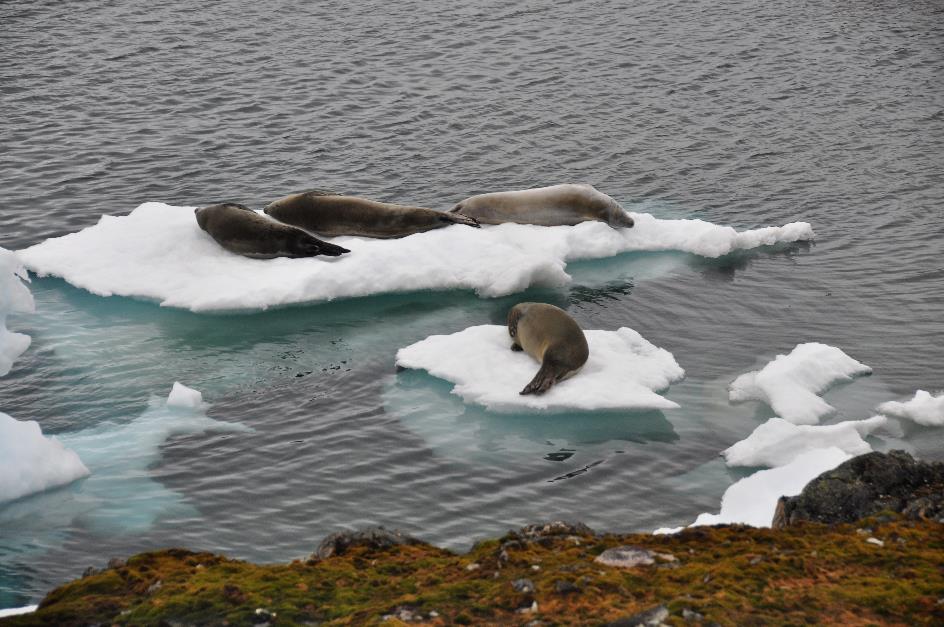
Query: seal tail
(543,380)
(457,218)
(308,246)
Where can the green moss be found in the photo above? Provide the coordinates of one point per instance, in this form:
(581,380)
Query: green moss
(731,575)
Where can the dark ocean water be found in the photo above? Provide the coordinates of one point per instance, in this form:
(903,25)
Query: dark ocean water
(740,113)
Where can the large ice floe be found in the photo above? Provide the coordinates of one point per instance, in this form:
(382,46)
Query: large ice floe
(31,462)
(624,371)
(924,409)
(15,298)
(158,252)
(791,384)
(778,442)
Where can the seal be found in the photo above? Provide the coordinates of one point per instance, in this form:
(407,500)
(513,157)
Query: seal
(567,204)
(551,336)
(241,230)
(330,214)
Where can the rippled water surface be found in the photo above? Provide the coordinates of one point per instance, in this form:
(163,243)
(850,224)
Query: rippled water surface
(736,112)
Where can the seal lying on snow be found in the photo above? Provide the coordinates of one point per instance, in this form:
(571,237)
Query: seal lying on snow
(552,337)
(556,205)
(241,230)
(330,214)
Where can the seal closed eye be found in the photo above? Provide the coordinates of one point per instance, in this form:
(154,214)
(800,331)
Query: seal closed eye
(241,230)
(552,337)
(330,214)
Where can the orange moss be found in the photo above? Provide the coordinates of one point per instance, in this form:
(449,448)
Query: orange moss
(729,575)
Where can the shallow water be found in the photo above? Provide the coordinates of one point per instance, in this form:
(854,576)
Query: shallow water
(734,112)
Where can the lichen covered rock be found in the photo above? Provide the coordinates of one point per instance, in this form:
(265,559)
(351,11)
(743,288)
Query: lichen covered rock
(866,485)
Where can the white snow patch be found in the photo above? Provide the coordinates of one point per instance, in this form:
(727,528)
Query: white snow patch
(923,409)
(15,297)
(790,384)
(16,611)
(752,500)
(623,371)
(778,442)
(158,252)
(31,462)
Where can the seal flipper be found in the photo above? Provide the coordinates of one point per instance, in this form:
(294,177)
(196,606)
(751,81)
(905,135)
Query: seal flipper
(457,218)
(543,380)
(307,246)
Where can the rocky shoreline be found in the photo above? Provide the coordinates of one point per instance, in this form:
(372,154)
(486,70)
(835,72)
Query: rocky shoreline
(862,544)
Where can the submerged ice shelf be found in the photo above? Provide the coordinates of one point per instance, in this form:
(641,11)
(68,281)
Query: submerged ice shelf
(624,371)
(157,252)
(15,298)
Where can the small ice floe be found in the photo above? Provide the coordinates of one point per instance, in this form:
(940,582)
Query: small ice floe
(791,384)
(624,371)
(778,442)
(15,298)
(31,462)
(752,500)
(158,252)
(923,409)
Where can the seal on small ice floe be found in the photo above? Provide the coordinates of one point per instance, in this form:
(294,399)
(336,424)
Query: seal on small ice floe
(556,205)
(241,230)
(551,336)
(330,214)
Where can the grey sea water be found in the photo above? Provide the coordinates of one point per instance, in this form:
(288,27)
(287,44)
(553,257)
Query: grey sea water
(736,112)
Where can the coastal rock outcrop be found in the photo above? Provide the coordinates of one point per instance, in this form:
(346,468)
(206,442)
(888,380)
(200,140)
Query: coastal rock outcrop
(864,486)
(375,539)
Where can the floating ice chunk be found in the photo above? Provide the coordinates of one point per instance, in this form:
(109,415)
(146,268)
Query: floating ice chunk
(790,384)
(623,371)
(778,442)
(31,462)
(182,396)
(923,409)
(15,297)
(752,500)
(158,252)
(16,611)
